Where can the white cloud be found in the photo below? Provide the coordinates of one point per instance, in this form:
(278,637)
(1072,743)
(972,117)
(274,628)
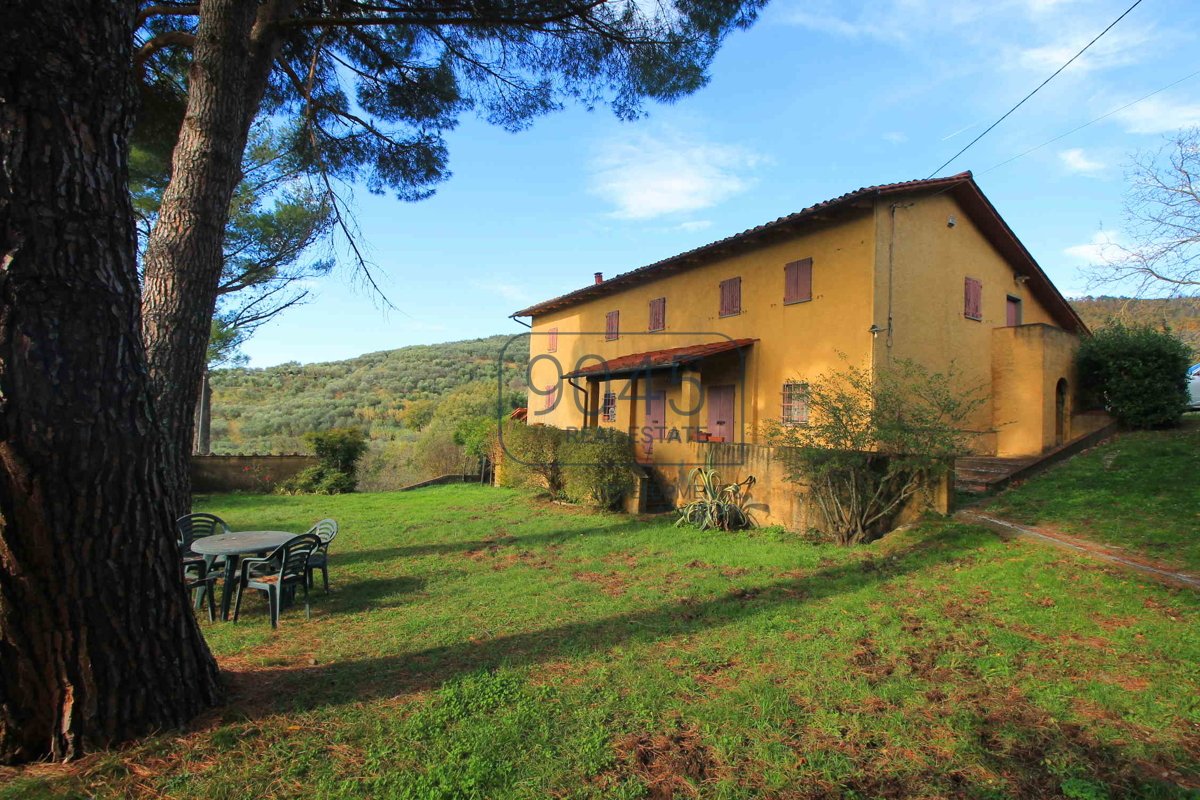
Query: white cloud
(1159,114)
(509,291)
(1076,160)
(650,175)
(1117,49)
(1104,245)
(895,137)
(695,225)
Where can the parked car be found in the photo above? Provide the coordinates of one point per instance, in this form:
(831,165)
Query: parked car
(1194,387)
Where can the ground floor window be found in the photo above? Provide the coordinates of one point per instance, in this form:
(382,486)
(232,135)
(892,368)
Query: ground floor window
(795,403)
(608,409)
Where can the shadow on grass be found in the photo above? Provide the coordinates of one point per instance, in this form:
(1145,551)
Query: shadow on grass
(339,683)
(375,593)
(474,545)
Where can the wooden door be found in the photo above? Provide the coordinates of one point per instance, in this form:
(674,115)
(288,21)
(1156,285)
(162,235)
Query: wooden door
(720,412)
(655,423)
(1013,316)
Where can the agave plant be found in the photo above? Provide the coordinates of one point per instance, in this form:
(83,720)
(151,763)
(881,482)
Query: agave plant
(719,507)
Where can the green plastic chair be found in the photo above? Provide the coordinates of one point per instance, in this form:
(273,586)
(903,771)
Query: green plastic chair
(196,567)
(284,569)
(327,531)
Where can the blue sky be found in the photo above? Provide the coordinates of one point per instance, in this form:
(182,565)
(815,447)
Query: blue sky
(818,98)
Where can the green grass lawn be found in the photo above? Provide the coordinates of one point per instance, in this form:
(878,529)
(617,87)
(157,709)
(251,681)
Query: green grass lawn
(481,644)
(1139,491)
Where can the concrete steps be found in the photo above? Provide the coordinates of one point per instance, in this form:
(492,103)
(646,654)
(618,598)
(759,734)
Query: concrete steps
(980,474)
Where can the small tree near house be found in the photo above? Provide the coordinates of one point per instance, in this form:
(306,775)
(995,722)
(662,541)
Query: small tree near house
(873,441)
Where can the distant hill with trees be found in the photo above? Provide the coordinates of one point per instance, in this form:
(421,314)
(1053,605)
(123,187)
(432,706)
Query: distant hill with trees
(389,394)
(1179,315)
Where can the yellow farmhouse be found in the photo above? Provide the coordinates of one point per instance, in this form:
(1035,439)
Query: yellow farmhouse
(709,344)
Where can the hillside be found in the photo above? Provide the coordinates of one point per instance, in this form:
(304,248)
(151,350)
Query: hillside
(268,410)
(1180,315)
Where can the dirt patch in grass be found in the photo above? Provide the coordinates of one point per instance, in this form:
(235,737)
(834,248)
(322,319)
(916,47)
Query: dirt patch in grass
(669,764)
(612,584)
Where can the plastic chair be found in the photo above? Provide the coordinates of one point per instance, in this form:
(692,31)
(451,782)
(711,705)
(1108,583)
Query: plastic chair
(285,568)
(327,531)
(191,527)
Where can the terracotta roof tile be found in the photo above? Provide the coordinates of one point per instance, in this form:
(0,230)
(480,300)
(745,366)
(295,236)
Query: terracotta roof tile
(660,359)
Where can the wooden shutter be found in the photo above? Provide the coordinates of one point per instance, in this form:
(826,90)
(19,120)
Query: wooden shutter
(797,281)
(552,340)
(731,297)
(551,395)
(612,325)
(972,299)
(1013,309)
(658,314)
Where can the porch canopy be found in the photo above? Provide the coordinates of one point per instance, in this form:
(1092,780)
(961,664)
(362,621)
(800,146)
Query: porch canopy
(654,360)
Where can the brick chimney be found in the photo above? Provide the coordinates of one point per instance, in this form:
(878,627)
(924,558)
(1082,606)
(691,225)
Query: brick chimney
(599,277)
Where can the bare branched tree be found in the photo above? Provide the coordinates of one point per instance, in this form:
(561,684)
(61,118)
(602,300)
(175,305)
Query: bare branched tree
(1162,224)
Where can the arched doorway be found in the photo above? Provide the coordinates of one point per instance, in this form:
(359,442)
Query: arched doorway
(1062,413)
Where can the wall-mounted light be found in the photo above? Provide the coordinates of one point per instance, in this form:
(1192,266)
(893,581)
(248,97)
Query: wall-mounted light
(951,221)
(875,330)
(1020,279)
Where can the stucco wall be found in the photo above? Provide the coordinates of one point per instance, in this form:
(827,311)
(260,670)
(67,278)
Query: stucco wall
(1029,362)
(796,340)
(245,473)
(929,260)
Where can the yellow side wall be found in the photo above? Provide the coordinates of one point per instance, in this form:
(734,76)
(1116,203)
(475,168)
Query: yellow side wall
(929,260)
(796,341)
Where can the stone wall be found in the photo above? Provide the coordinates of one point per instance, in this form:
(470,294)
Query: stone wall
(246,473)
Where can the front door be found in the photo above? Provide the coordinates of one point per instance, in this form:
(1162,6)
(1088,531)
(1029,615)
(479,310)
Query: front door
(720,412)
(655,423)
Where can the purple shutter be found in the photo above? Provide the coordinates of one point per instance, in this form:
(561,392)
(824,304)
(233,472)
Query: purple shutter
(972,299)
(658,314)
(731,297)
(551,395)
(612,325)
(720,412)
(797,281)
(552,340)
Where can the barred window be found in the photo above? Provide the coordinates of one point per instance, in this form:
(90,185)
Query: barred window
(608,409)
(795,403)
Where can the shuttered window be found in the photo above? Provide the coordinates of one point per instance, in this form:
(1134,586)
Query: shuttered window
(797,281)
(731,297)
(551,396)
(973,299)
(552,340)
(795,403)
(608,409)
(612,325)
(658,314)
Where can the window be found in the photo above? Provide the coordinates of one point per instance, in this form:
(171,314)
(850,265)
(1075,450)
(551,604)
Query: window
(552,340)
(972,299)
(608,409)
(797,281)
(612,325)
(731,297)
(795,403)
(551,396)
(658,314)
(1013,311)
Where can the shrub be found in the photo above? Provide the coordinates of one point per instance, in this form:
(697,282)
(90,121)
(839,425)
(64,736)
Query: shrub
(597,466)
(1139,374)
(531,456)
(874,440)
(338,451)
(720,506)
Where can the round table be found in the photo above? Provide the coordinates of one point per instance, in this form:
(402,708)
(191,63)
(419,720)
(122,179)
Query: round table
(233,546)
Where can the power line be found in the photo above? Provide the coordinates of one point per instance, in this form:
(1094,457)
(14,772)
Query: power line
(1038,89)
(1092,122)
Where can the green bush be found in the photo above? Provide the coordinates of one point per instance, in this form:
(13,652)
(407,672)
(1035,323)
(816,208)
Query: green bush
(597,466)
(1139,374)
(338,451)
(531,456)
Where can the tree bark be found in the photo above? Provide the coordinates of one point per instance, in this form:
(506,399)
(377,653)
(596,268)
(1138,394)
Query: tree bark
(236,43)
(98,642)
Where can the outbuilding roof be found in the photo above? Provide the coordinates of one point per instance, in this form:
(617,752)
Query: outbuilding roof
(961,186)
(660,359)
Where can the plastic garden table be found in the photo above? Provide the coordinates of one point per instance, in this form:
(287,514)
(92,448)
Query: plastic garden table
(233,546)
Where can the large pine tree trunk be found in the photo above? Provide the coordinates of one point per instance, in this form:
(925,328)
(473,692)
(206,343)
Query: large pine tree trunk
(231,62)
(97,639)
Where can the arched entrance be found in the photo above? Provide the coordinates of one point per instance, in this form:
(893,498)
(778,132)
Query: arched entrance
(1062,413)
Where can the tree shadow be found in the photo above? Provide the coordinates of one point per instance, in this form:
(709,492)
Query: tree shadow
(342,682)
(493,543)
(372,593)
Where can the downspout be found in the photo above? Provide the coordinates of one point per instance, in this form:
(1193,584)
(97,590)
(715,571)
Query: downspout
(892,272)
(586,399)
(513,317)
